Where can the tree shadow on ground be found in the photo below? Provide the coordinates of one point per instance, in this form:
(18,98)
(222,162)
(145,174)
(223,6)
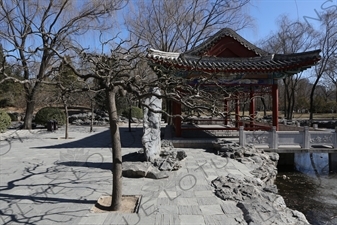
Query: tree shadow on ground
(63,192)
(98,165)
(46,203)
(130,157)
(102,140)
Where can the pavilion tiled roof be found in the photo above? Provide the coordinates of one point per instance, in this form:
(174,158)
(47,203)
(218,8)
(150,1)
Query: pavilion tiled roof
(285,63)
(210,42)
(260,62)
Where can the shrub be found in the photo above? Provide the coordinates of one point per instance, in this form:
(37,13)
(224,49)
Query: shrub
(50,113)
(5,121)
(14,116)
(135,112)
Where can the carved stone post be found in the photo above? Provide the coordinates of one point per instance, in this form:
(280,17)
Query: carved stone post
(242,136)
(306,138)
(274,138)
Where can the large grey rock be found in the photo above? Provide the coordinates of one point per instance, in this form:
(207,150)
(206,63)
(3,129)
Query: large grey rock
(151,123)
(270,211)
(136,169)
(142,169)
(154,173)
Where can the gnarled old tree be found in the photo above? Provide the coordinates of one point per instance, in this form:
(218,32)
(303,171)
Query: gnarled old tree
(30,29)
(328,44)
(292,37)
(181,25)
(115,73)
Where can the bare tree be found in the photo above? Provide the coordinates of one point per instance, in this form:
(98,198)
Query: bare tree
(181,25)
(113,74)
(30,29)
(302,93)
(292,37)
(69,87)
(331,75)
(177,26)
(91,95)
(328,45)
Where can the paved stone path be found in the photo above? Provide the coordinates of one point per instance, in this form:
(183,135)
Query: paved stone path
(45,179)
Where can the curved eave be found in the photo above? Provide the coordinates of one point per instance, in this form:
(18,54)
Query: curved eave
(243,66)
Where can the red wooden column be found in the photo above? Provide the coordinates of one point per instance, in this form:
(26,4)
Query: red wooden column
(226,111)
(176,110)
(275,105)
(252,108)
(237,111)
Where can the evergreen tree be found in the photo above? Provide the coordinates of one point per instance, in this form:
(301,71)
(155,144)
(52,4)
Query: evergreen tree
(10,92)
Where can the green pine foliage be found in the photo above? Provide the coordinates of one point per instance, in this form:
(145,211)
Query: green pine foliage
(10,92)
(67,77)
(5,121)
(121,102)
(50,113)
(135,112)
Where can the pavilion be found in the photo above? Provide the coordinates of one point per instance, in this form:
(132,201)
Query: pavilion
(244,64)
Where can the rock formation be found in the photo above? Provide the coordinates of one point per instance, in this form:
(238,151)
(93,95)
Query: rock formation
(151,125)
(167,160)
(256,196)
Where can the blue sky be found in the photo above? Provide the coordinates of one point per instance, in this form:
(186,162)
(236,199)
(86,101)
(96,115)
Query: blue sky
(266,13)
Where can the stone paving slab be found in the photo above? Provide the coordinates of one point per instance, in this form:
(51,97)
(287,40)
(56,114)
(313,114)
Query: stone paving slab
(211,210)
(220,220)
(191,219)
(167,219)
(48,180)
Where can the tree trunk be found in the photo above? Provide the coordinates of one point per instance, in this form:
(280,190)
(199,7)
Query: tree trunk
(284,98)
(116,151)
(30,105)
(243,109)
(66,135)
(130,111)
(92,116)
(292,107)
(336,92)
(169,120)
(290,112)
(264,107)
(311,107)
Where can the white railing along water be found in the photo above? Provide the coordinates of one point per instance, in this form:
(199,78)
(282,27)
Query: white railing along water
(285,139)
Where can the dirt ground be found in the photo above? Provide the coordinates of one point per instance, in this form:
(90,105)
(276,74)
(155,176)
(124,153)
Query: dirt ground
(129,204)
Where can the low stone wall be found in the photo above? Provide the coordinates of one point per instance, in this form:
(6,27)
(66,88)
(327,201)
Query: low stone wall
(256,196)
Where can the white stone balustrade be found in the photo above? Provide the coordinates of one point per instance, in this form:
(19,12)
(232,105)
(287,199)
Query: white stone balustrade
(289,139)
